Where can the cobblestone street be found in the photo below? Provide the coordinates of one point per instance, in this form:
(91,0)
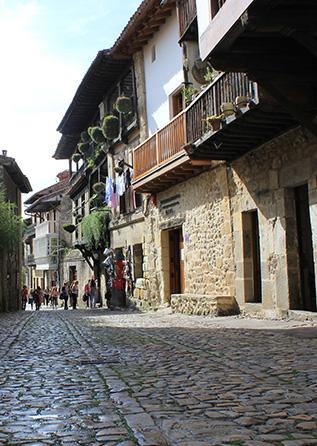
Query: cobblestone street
(103,378)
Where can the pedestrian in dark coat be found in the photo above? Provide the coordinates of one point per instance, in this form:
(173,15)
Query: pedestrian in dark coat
(64,297)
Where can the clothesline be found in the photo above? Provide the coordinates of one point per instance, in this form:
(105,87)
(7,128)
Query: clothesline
(119,187)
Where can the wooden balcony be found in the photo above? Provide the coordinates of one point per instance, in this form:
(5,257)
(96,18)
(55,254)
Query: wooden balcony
(263,38)
(161,160)
(188,143)
(186,15)
(251,124)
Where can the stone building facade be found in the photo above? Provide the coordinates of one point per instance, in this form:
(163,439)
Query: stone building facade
(268,181)
(231,217)
(199,209)
(12,184)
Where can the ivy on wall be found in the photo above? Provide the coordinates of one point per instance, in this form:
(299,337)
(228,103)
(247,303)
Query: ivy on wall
(11,226)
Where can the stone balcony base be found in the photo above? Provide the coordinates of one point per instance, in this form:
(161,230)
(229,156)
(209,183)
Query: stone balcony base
(204,305)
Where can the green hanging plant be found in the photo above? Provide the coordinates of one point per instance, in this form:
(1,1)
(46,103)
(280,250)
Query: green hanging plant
(83,147)
(99,187)
(76,157)
(85,136)
(11,226)
(124,104)
(110,127)
(69,228)
(96,135)
(95,229)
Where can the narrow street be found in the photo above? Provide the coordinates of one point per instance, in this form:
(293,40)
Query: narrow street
(101,378)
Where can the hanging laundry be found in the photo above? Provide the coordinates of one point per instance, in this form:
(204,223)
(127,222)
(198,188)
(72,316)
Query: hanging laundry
(131,195)
(114,198)
(120,185)
(109,191)
(127,178)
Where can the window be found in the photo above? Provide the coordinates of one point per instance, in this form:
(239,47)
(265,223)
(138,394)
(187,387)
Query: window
(137,261)
(215,5)
(176,102)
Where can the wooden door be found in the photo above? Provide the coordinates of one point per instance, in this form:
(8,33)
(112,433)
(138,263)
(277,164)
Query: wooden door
(305,250)
(176,246)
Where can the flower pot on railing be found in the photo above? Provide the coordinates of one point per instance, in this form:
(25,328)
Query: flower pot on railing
(76,157)
(69,228)
(227,108)
(110,127)
(124,104)
(99,187)
(83,147)
(214,122)
(241,101)
(84,136)
(96,135)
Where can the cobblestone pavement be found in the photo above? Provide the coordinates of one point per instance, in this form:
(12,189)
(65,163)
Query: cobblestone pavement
(102,378)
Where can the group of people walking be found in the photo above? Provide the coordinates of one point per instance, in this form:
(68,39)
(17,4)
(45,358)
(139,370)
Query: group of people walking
(37,297)
(68,292)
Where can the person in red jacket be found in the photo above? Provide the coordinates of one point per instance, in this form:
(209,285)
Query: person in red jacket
(24,296)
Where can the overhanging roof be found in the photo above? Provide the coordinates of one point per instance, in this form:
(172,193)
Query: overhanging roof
(43,205)
(56,188)
(100,76)
(66,147)
(20,180)
(144,23)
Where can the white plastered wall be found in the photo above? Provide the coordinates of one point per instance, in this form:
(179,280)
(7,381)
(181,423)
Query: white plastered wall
(164,75)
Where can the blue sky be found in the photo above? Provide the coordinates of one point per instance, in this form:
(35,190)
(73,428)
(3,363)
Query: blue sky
(46,47)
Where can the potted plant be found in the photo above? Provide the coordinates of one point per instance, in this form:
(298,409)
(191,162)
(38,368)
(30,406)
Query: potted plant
(83,147)
(76,157)
(227,108)
(124,104)
(85,136)
(96,135)
(241,101)
(189,94)
(99,187)
(214,121)
(69,228)
(110,127)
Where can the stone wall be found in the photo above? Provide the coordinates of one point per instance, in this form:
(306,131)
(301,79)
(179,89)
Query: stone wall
(264,180)
(200,206)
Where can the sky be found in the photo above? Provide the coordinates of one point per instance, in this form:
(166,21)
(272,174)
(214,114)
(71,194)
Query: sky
(46,47)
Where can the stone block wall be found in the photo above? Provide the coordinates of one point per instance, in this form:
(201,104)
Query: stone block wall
(264,180)
(200,206)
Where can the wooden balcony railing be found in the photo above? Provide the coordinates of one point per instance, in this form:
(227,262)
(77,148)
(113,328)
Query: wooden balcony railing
(160,148)
(215,6)
(191,124)
(224,89)
(186,14)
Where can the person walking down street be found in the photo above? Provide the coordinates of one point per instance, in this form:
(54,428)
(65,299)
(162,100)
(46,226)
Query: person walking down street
(37,296)
(53,296)
(87,291)
(74,294)
(24,296)
(64,297)
(46,296)
(93,292)
(31,299)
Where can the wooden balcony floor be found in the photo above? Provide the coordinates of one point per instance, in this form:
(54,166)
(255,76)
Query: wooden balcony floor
(177,170)
(247,132)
